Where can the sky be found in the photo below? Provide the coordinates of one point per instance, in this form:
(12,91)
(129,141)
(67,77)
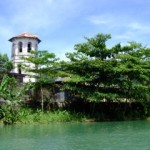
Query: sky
(61,24)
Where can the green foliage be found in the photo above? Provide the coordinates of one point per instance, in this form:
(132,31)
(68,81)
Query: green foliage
(11,90)
(44,64)
(7,88)
(5,66)
(29,116)
(44,71)
(10,114)
(14,93)
(98,73)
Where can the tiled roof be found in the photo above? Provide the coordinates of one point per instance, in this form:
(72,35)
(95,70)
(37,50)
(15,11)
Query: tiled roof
(26,35)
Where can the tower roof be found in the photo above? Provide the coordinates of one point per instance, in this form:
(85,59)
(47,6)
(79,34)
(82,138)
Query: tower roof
(25,35)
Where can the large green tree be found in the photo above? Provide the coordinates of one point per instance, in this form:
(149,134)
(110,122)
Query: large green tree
(45,70)
(96,72)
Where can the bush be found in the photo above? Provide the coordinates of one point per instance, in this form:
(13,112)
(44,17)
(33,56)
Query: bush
(9,114)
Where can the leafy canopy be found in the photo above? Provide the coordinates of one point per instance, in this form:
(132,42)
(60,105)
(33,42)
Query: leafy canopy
(43,66)
(98,73)
(43,69)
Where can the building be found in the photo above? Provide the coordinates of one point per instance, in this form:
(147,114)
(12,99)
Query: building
(22,44)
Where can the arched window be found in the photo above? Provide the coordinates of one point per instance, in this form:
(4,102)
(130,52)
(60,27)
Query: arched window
(13,50)
(13,46)
(20,46)
(36,46)
(29,46)
(19,69)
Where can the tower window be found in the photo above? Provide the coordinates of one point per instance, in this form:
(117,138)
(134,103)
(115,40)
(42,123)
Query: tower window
(13,50)
(36,46)
(19,69)
(20,46)
(29,47)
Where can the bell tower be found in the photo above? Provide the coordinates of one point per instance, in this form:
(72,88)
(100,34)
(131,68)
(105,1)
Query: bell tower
(22,44)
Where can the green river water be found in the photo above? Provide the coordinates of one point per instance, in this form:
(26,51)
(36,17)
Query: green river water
(133,135)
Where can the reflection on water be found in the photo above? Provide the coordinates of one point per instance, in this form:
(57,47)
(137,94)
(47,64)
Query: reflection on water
(77,136)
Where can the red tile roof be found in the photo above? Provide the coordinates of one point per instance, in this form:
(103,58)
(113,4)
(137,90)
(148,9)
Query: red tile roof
(26,35)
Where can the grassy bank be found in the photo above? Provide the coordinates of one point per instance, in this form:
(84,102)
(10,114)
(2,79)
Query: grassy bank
(29,116)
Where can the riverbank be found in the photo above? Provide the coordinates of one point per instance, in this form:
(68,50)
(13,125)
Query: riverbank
(30,116)
(48,117)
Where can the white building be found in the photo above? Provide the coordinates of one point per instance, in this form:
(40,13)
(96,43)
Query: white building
(22,44)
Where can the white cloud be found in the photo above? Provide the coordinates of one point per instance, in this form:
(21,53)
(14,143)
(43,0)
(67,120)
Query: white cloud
(139,27)
(123,28)
(65,21)
(127,35)
(38,14)
(41,17)
(100,20)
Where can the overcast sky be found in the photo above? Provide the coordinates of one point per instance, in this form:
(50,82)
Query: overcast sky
(61,24)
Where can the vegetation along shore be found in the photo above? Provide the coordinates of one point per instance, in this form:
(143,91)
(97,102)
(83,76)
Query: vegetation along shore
(95,83)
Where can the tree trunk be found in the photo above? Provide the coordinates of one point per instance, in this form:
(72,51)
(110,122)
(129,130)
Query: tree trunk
(42,100)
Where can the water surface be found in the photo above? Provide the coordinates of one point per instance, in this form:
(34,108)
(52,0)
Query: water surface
(77,136)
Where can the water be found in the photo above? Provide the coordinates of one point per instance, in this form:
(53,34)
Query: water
(77,136)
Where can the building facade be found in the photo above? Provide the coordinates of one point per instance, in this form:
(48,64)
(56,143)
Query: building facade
(22,45)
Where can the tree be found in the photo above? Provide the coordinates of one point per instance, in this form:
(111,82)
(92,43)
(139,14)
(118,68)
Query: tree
(12,94)
(44,70)
(5,65)
(133,67)
(97,73)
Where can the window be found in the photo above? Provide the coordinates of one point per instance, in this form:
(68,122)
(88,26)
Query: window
(36,46)
(20,46)
(13,50)
(19,69)
(13,46)
(29,46)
